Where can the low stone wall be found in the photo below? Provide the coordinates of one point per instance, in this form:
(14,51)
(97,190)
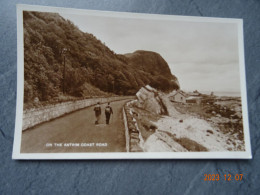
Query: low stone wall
(32,117)
(134,140)
(127,138)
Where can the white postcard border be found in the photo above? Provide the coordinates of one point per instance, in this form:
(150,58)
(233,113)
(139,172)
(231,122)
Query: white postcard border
(125,155)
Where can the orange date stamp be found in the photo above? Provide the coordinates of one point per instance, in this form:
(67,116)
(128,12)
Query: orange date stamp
(225,177)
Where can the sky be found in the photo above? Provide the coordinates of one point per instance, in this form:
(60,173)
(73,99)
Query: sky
(202,55)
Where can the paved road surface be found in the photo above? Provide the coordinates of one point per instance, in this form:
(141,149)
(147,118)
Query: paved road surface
(78,128)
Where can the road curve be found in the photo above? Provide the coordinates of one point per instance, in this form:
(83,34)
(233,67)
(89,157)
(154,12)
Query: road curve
(76,132)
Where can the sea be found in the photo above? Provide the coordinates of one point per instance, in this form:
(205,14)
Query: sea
(223,93)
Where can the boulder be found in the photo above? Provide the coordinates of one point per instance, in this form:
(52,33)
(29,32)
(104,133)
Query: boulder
(150,100)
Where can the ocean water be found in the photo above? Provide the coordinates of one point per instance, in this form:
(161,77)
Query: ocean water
(223,93)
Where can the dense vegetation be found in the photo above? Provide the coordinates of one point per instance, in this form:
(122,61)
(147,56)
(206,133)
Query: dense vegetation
(91,68)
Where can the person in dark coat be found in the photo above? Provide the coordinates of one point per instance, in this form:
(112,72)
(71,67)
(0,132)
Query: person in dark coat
(97,110)
(108,112)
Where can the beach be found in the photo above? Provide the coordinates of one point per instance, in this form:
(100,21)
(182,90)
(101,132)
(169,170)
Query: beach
(213,124)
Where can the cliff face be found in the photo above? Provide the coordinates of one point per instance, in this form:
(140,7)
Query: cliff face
(150,62)
(155,67)
(90,69)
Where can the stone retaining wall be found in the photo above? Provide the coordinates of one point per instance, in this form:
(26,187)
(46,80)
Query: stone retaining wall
(134,138)
(127,138)
(32,117)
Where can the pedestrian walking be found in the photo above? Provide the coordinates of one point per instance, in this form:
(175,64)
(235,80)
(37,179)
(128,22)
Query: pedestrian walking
(97,110)
(108,112)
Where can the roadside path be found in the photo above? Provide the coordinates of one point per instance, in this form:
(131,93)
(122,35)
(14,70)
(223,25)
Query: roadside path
(78,128)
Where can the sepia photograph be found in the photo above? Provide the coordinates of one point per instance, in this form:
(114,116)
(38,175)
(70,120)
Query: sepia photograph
(111,85)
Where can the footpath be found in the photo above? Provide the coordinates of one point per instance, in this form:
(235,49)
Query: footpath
(77,132)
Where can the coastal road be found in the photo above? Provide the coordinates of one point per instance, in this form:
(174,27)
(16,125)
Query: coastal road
(77,132)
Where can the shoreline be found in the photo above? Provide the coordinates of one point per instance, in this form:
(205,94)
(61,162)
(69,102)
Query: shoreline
(212,124)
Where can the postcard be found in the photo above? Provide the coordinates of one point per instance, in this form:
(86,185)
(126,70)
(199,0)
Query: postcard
(115,85)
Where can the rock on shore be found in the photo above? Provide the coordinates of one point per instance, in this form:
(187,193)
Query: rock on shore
(174,131)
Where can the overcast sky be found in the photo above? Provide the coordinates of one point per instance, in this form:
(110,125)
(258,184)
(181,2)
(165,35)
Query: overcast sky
(203,55)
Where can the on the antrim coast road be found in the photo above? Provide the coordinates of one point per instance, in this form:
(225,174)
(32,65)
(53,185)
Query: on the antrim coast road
(176,86)
(77,132)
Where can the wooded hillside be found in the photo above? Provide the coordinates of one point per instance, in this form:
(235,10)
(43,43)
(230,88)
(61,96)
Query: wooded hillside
(91,68)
